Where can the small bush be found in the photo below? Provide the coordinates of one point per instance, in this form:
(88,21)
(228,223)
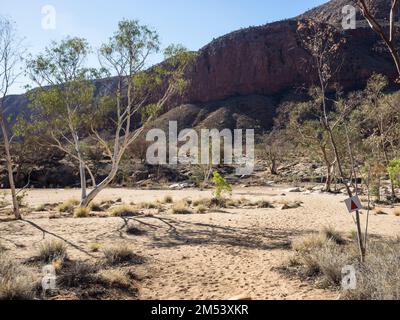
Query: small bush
(52,250)
(124,211)
(120,254)
(16,283)
(181,208)
(81,212)
(68,206)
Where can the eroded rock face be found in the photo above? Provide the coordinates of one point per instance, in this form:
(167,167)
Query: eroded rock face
(269,60)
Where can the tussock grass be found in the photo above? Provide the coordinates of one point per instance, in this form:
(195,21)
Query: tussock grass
(168,199)
(96,207)
(124,211)
(68,206)
(81,212)
(330,233)
(120,254)
(201,209)
(95,247)
(77,274)
(181,207)
(115,278)
(322,257)
(52,250)
(396,212)
(149,205)
(16,283)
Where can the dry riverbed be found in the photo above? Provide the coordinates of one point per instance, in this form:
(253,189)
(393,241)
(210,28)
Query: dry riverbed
(217,255)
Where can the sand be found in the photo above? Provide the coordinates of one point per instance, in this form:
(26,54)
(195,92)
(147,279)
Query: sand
(217,255)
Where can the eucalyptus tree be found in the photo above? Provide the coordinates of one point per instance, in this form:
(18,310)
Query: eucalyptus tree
(132,102)
(63,104)
(11,52)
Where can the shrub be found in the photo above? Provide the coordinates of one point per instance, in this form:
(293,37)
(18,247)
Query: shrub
(81,212)
(181,208)
(52,250)
(394,172)
(221,185)
(124,211)
(16,283)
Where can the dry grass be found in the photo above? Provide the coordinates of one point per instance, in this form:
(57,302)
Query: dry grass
(96,207)
(124,211)
(201,209)
(51,251)
(77,274)
(120,254)
(16,283)
(115,278)
(396,212)
(330,233)
(181,207)
(81,212)
(149,205)
(379,278)
(168,200)
(95,247)
(68,206)
(323,257)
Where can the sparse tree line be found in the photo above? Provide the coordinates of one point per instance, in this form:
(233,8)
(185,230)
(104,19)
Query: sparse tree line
(354,135)
(71,114)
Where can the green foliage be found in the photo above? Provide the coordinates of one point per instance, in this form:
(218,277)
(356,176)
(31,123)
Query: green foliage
(220,184)
(394,172)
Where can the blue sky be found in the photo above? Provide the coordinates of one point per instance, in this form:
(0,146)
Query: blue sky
(192,23)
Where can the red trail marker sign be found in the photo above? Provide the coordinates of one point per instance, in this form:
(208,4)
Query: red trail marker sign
(353,204)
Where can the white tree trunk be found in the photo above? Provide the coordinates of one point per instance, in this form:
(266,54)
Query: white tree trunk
(16,211)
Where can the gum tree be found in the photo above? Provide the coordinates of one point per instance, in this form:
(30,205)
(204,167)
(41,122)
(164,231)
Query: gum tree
(64,102)
(125,56)
(10,57)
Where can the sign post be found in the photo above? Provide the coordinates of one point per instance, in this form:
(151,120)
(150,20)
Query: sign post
(353,204)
